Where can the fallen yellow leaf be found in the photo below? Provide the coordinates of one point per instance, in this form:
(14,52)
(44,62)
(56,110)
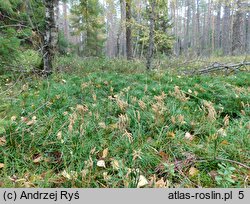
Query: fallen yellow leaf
(224,142)
(188,136)
(38,159)
(59,135)
(161,184)
(32,122)
(101,163)
(1,165)
(13,118)
(193,171)
(66,175)
(171,134)
(115,164)
(105,153)
(142,182)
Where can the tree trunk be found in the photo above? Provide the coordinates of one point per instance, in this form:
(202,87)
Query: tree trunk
(188,17)
(218,27)
(122,49)
(57,19)
(225,29)
(248,34)
(111,42)
(198,29)
(65,20)
(50,37)
(237,41)
(128,30)
(208,28)
(151,34)
(244,28)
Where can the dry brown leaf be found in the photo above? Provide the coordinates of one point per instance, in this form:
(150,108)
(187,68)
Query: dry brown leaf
(2,141)
(37,158)
(163,155)
(225,142)
(142,182)
(115,164)
(152,181)
(188,136)
(171,134)
(32,121)
(24,119)
(59,135)
(66,175)
(13,118)
(101,163)
(1,165)
(213,174)
(181,119)
(161,184)
(105,153)
(193,171)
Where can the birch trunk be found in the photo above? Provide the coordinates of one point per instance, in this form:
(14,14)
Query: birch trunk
(50,37)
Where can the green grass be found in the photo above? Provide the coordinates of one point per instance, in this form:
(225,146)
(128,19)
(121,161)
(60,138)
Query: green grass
(140,117)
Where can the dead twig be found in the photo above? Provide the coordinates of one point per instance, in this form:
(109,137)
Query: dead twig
(225,160)
(228,68)
(232,161)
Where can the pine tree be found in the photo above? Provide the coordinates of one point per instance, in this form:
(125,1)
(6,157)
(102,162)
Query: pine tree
(88,21)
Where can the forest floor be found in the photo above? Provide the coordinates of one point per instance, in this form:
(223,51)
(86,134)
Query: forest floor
(124,127)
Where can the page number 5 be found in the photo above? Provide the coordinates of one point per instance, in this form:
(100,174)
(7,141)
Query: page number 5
(241,195)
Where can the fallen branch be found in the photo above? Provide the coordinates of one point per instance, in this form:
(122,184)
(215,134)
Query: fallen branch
(232,161)
(225,160)
(228,68)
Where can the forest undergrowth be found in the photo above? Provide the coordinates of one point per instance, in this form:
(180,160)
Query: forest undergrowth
(112,124)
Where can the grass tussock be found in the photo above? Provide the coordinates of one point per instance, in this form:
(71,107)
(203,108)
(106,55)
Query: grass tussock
(123,127)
